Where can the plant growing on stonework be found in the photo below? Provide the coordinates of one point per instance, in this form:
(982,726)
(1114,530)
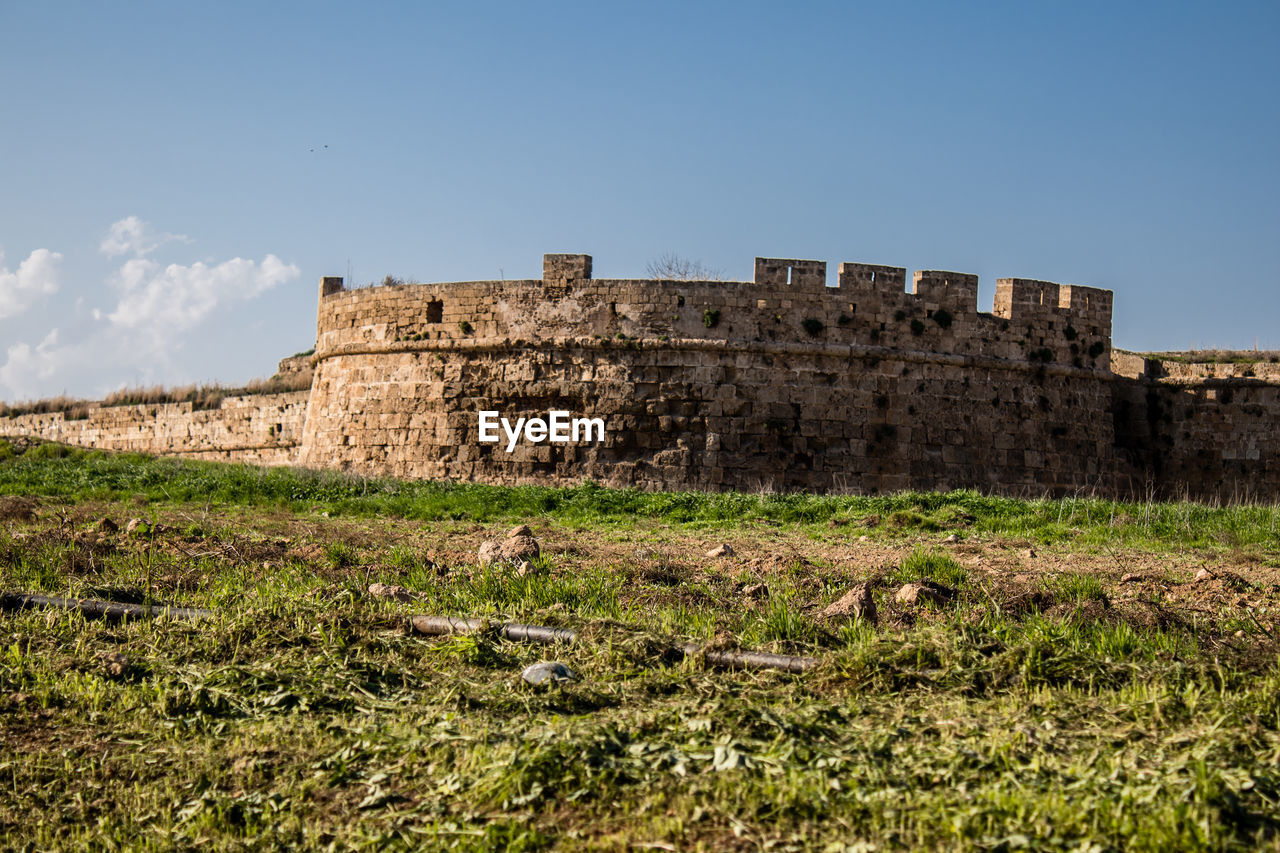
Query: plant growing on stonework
(711,318)
(943,318)
(917,328)
(812,325)
(465,327)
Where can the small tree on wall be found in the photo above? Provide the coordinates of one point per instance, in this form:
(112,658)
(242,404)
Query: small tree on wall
(672,267)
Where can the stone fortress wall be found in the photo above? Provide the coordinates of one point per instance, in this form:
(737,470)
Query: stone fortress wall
(783,383)
(263,428)
(1201,430)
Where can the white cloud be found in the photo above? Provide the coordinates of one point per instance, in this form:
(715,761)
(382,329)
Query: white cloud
(35,277)
(162,302)
(157,309)
(132,236)
(27,369)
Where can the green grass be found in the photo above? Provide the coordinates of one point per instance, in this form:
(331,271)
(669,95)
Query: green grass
(55,470)
(1077,588)
(304,726)
(930,565)
(307,716)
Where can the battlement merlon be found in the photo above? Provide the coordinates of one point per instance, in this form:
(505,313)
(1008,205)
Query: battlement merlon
(1090,304)
(790,272)
(1018,298)
(330,284)
(871,277)
(561,270)
(957,291)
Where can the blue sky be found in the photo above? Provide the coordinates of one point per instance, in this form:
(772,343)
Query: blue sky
(164,218)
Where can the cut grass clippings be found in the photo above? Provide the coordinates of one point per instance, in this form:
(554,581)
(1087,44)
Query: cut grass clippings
(1063,710)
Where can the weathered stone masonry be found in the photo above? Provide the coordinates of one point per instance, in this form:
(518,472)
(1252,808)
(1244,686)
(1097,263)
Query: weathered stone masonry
(261,428)
(782,383)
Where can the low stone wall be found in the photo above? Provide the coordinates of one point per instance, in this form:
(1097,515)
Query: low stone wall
(1203,437)
(263,428)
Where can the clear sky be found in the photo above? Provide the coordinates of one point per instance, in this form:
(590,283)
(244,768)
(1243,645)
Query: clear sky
(167,202)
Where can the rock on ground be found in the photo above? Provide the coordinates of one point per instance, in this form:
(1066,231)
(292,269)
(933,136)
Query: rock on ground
(392,591)
(548,672)
(912,594)
(518,547)
(115,664)
(721,551)
(857,603)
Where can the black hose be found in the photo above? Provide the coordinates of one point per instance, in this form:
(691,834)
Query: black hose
(95,609)
(441,625)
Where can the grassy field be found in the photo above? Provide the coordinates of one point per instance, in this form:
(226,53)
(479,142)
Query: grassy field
(1106,675)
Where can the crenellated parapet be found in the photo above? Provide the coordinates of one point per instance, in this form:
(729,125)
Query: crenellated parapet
(1072,321)
(789,301)
(1023,298)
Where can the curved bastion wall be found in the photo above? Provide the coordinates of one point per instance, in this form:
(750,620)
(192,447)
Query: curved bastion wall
(856,382)
(781,383)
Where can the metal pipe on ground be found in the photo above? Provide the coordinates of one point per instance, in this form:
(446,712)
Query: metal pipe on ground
(432,625)
(440,625)
(96,609)
(515,631)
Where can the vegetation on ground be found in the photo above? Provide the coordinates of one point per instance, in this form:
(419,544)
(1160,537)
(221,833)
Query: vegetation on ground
(1105,676)
(207,396)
